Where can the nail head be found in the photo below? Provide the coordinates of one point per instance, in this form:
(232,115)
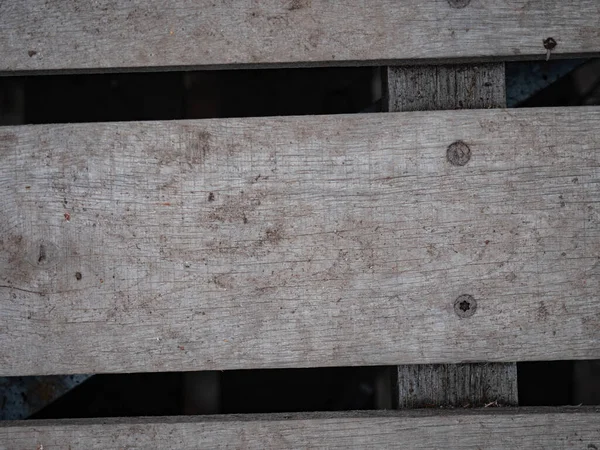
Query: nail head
(458,153)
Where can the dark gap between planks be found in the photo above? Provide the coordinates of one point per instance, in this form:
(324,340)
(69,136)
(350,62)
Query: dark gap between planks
(252,93)
(555,383)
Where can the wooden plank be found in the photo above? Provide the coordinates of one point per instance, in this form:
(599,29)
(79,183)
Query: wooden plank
(67,35)
(425,88)
(541,428)
(439,87)
(300,241)
(456,385)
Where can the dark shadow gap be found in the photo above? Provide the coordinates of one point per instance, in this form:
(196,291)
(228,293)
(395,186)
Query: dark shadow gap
(555,383)
(185,95)
(555,84)
(558,383)
(109,97)
(228,392)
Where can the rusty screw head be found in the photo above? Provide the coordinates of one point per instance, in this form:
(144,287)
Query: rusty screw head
(465,306)
(459,3)
(550,43)
(458,153)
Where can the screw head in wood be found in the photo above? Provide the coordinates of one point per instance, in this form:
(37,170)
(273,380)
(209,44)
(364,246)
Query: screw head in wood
(458,153)
(550,43)
(459,3)
(465,306)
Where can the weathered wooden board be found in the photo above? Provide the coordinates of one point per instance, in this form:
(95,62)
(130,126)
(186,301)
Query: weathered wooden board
(456,385)
(76,34)
(541,428)
(439,87)
(299,241)
(430,88)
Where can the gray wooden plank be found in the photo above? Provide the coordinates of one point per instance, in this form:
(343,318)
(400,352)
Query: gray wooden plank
(439,87)
(435,87)
(81,35)
(531,429)
(299,241)
(456,385)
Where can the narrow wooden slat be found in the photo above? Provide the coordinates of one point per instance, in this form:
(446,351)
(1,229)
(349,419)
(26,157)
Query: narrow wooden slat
(456,385)
(439,87)
(432,88)
(299,241)
(531,428)
(67,35)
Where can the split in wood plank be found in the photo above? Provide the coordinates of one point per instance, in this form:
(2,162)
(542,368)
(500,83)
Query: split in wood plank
(531,428)
(300,241)
(37,35)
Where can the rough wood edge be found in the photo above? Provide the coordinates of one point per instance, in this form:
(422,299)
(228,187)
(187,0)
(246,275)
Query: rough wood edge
(490,428)
(125,36)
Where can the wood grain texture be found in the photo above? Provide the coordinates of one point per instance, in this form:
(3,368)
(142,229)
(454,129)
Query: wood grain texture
(457,385)
(68,35)
(531,429)
(299,241)
(429,88)
(439,87)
